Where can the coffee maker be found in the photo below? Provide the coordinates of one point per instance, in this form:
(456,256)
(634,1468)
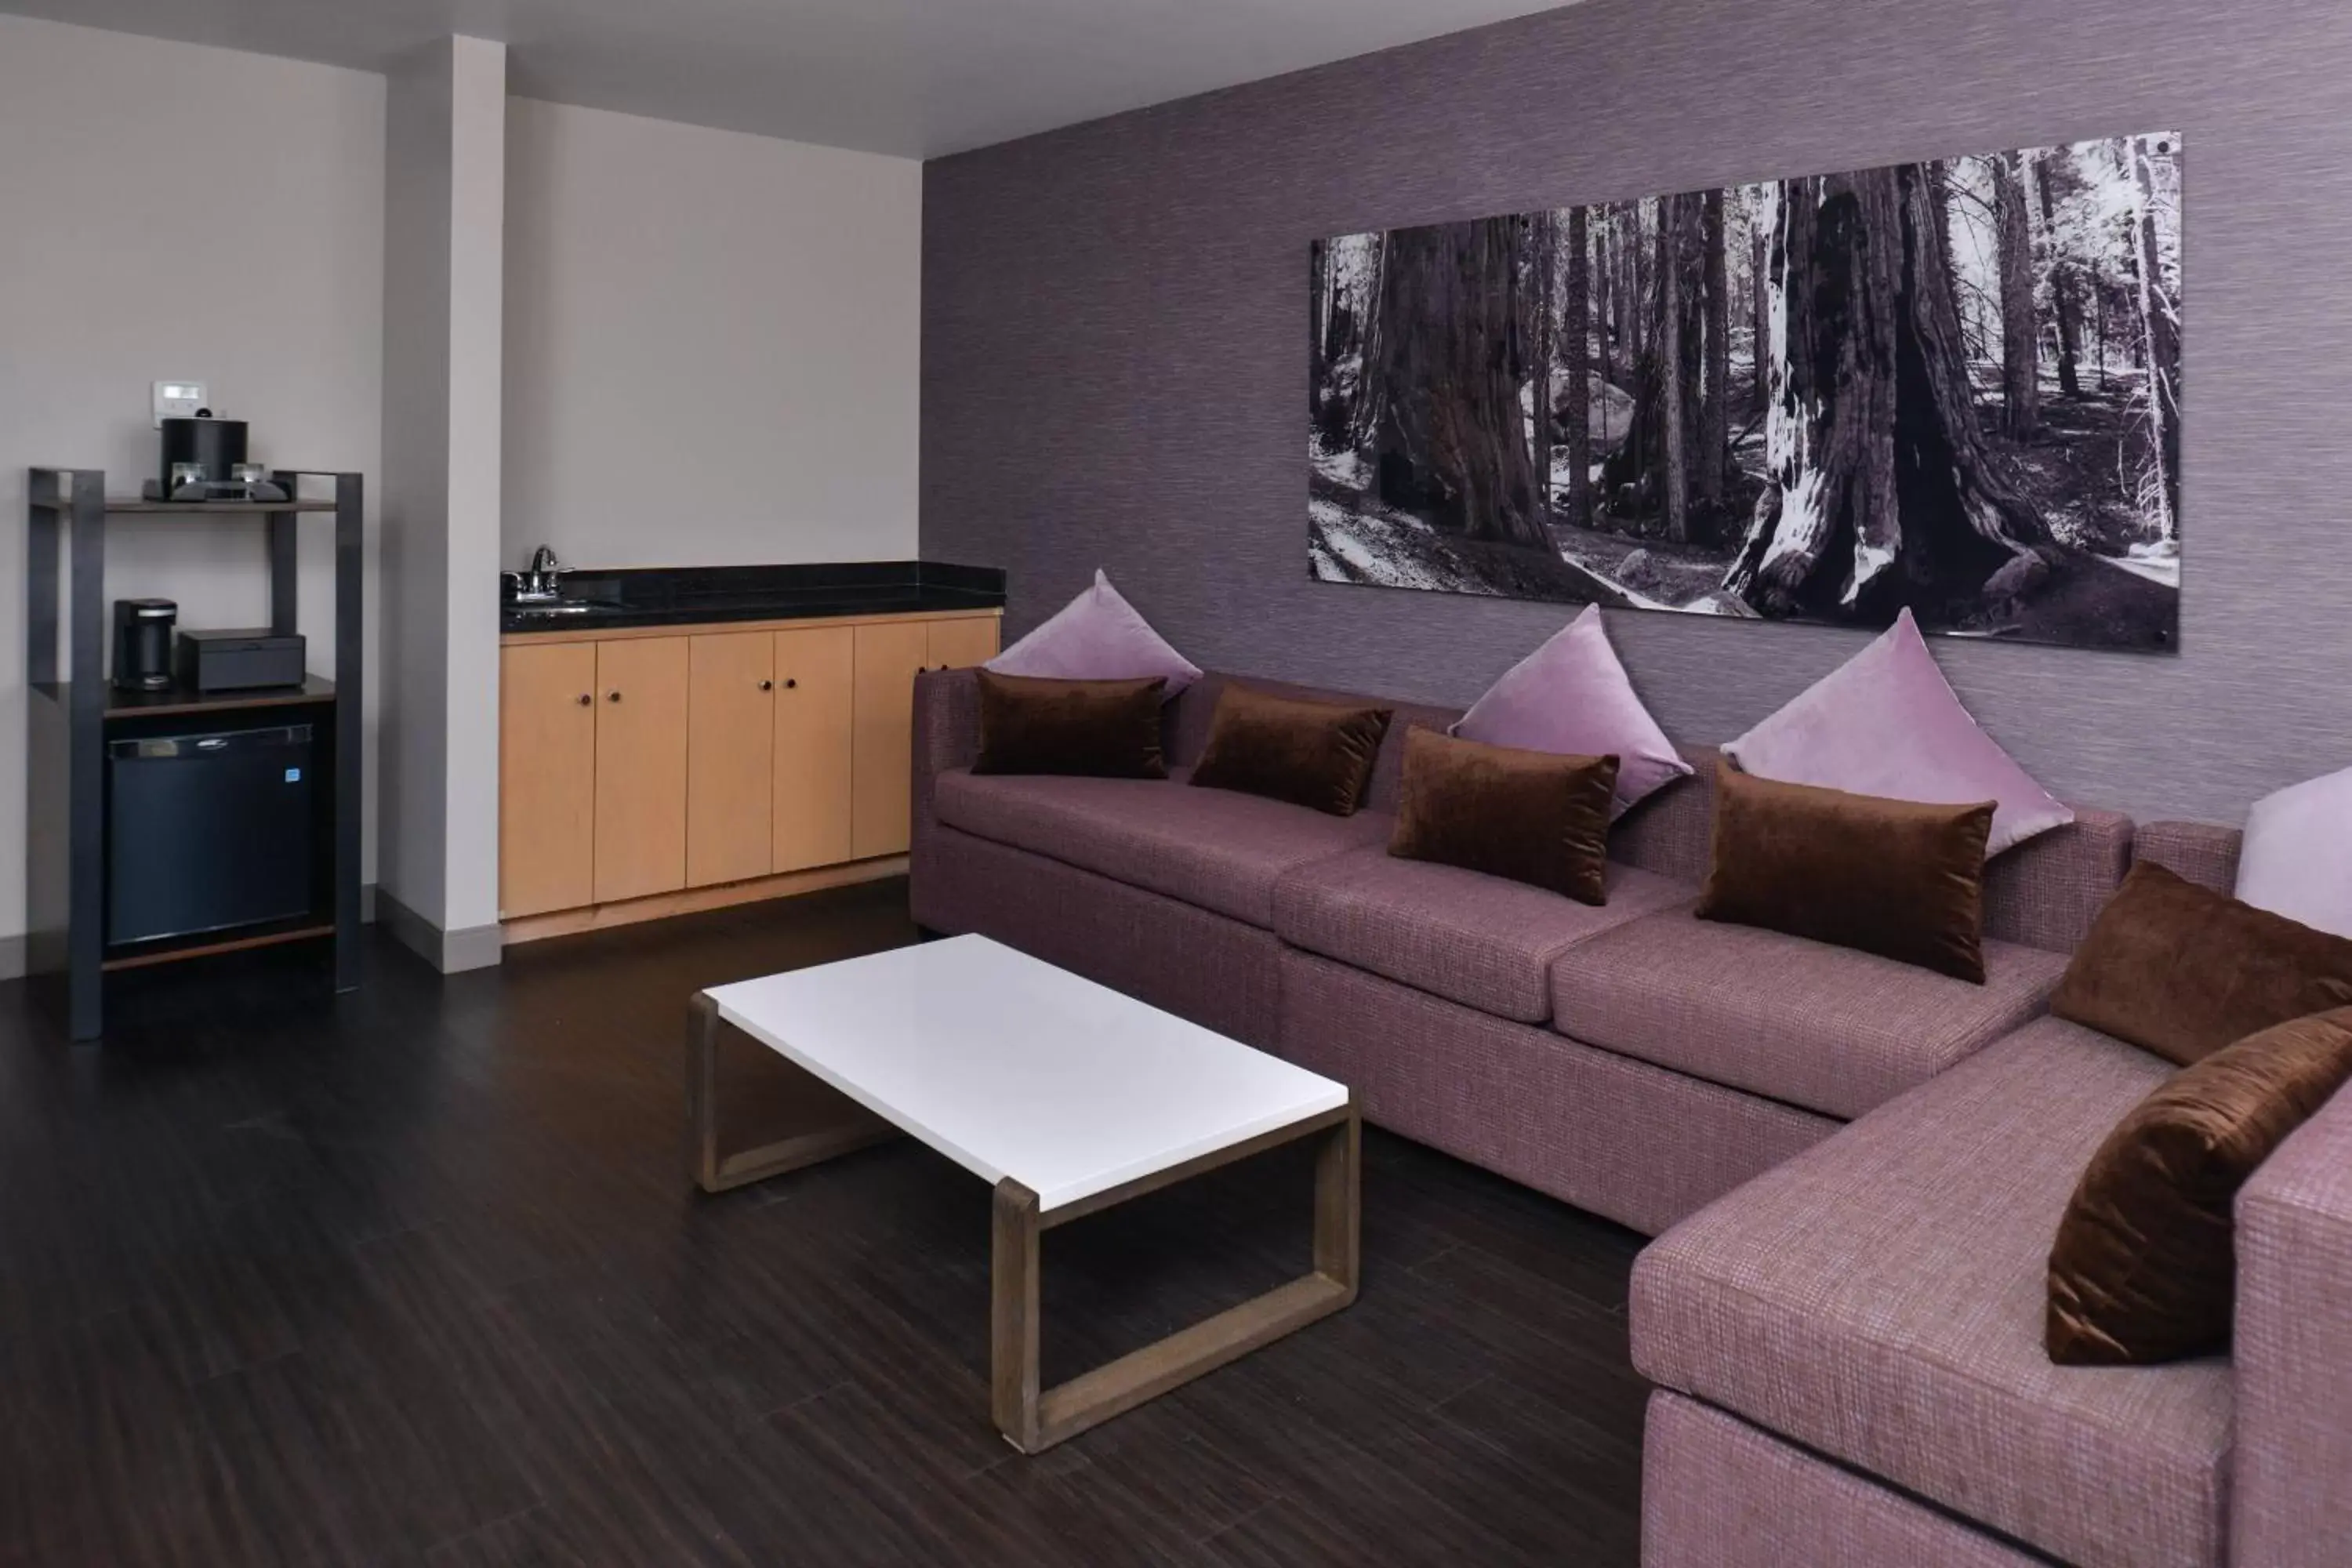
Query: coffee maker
(214,446)
(204,459)
(143,644)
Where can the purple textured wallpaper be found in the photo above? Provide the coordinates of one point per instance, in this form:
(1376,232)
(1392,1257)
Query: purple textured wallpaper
(1115,344)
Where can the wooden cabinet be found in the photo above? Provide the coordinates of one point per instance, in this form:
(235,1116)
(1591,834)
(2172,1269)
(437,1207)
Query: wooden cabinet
(889,654)
(547,778)
(957,644)
(730,756)
(811,805)
(640,783)
(684,770)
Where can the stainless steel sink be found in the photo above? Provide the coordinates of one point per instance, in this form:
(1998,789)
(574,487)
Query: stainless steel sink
(561,607)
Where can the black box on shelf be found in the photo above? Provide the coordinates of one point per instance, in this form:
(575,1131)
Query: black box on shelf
(237,660)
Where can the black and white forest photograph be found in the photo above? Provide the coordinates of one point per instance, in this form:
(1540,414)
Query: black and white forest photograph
(1951,386)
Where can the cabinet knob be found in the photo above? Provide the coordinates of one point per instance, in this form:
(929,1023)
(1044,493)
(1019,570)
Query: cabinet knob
(585,699)
(767,686)
(790,683)
(612,697)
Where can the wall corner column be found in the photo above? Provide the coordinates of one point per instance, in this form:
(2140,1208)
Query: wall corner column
(445,187)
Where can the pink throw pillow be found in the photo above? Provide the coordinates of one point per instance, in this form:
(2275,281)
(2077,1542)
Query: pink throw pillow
(1887,723)
(1570,697)
(2297,859)
(1097,637)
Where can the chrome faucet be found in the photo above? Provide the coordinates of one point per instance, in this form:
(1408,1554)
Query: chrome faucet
(539,582)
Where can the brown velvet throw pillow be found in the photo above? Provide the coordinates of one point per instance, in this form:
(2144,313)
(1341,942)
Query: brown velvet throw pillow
(1309,753)
(2145,1266)
(1897,877)
(2182,970)
(1532,817)
(1106,729)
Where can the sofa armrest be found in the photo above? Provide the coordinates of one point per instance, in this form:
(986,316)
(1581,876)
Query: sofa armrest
(947,735)
(2198,851)
(2292,1504)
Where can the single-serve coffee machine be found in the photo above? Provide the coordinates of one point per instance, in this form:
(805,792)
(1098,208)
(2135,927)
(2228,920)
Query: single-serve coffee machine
(143,644)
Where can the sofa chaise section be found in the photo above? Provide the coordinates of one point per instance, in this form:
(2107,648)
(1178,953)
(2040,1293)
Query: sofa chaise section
(1859,1333)
(1880,1298)
(1716,1492)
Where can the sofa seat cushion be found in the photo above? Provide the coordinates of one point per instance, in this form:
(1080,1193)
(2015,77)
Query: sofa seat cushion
(1879,1299)
(1827,1029)
(1477,940)
(1213,848)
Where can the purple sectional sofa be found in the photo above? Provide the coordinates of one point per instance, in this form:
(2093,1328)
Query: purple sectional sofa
(1856,1165)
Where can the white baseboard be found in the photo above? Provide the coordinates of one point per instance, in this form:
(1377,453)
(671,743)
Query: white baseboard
(450,952)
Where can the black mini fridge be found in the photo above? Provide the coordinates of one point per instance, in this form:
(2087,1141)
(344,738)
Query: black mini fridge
(209,832)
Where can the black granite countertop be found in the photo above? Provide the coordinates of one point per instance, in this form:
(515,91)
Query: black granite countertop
(690,596)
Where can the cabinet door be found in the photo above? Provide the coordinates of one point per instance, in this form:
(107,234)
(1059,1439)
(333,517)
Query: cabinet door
(953,645)
(547,777)
(640,767)
(888,656)
(812,801)
(729,749)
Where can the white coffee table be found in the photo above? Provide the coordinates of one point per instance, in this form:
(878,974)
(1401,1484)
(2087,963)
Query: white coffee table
(1067,1098)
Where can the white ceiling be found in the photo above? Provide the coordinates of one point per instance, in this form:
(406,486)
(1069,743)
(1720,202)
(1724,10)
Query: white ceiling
(916,77)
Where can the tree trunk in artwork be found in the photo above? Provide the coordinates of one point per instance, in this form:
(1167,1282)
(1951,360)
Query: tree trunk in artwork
(1337,402)
(1318,272)
(1632,472)
(1672,388)
(1883,491)
(1637,342)
(1364,417)
(2021,348)
(1760,289)
(1575,323)
(1650,472)
(1539,352)
(2159,316)
(2065,292)
(2100,301)
(1715,405)
(1449,442)
(1604,261)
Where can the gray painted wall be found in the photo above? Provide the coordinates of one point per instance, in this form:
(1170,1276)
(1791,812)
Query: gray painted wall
(1114,357)
(730,375)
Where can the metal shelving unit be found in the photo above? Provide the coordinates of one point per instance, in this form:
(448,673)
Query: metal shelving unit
(73,712)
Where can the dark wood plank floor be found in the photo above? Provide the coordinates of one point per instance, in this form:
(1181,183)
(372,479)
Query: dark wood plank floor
(415,1278)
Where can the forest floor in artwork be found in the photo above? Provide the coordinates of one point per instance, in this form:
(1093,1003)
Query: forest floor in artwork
(2104,586)
(1352,538)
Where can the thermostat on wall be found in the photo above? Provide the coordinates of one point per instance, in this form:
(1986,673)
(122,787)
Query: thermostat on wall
(177,400)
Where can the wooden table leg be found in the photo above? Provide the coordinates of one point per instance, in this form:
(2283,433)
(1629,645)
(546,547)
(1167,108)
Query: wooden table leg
(825,1121)
(1013,1315)
(1033,1421)
(1339,1203)
(702,1090)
